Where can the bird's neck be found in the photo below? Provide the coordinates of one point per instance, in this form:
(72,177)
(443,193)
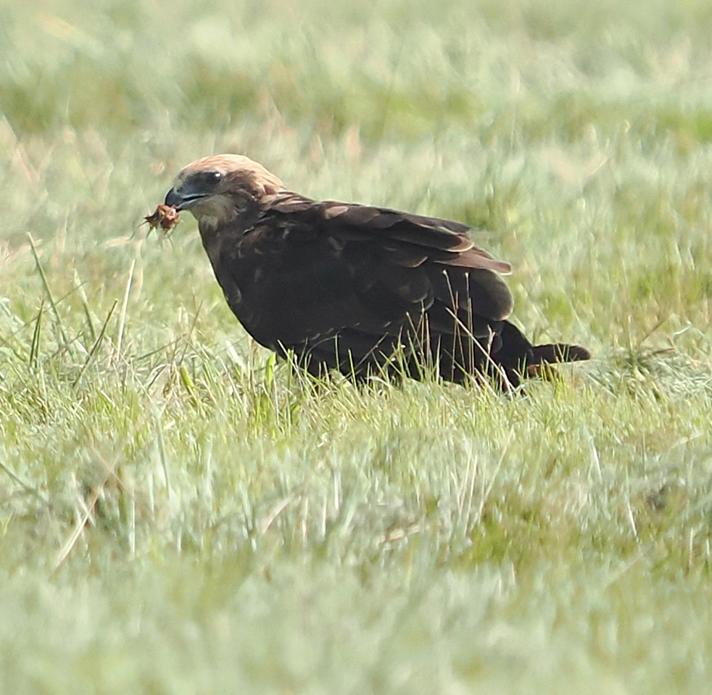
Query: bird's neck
(235,214)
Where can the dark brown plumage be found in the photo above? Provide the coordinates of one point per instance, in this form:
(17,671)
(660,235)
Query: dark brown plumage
(356,288)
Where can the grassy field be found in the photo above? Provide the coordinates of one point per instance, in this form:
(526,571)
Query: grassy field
(179,514)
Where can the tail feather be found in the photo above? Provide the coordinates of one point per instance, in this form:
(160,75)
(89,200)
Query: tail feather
(557,352)
(518,357)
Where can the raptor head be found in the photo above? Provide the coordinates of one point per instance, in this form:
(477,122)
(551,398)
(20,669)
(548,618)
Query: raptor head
(217,188)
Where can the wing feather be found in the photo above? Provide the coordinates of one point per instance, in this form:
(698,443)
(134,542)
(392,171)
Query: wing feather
(439,247)
(318,270)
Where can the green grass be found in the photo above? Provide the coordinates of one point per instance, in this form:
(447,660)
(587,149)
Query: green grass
(180,514)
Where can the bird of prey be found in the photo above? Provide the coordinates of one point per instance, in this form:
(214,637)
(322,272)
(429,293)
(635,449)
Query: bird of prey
(361,289)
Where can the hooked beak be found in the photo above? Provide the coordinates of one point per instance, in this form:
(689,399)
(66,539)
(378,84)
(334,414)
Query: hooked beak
(179,201)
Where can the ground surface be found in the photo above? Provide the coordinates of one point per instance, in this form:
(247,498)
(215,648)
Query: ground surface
(179,514)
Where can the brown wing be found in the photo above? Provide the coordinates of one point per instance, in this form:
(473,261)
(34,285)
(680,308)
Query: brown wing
(308,271)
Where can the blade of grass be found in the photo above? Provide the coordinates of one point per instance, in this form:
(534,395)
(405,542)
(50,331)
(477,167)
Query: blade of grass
(124,309)
(95,346)
(48,291)
(85,306)
(36,335)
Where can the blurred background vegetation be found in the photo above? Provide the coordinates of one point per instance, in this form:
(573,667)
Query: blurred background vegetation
(179,514)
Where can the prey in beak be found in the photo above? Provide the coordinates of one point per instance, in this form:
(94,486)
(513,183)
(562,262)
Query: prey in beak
(164,216)
(190,189)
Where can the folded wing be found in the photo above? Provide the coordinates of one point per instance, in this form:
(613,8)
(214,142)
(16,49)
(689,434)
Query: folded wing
(312,274)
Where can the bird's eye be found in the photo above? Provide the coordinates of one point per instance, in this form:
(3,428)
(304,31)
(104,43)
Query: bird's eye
(212,177)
